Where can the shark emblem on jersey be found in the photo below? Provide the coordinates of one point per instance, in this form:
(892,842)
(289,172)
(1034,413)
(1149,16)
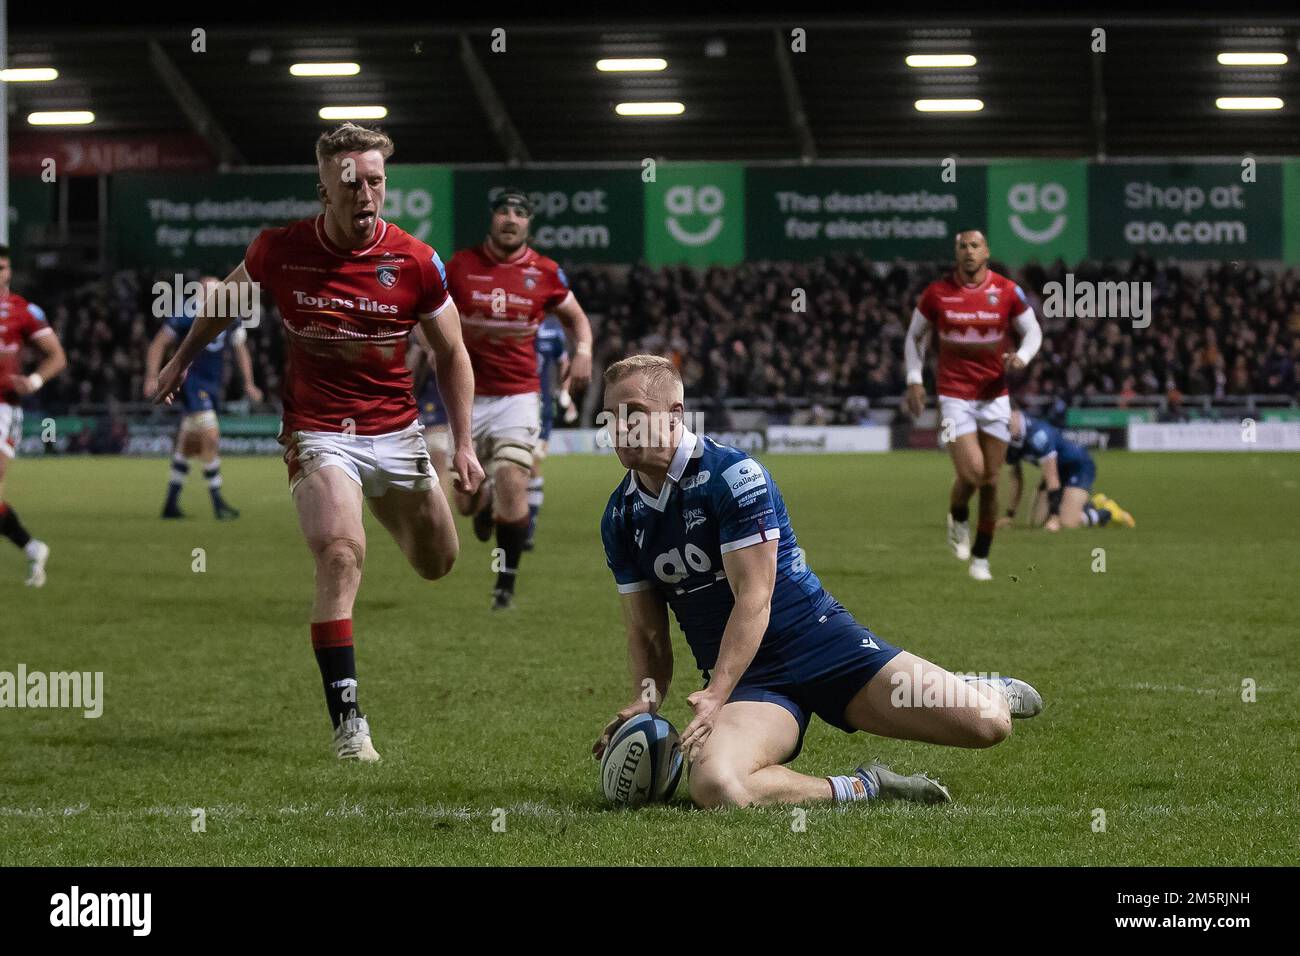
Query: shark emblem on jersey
(694,518)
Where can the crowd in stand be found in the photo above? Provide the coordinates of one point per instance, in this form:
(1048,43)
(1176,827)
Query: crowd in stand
(829,331)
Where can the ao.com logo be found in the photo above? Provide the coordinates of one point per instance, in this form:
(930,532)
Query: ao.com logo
(701,207)
(1031,206)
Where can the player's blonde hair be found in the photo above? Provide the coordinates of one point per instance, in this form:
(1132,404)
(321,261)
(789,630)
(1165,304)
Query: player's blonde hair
(351,138)
(662,379)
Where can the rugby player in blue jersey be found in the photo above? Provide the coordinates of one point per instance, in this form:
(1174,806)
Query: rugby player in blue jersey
(1068,475)
(199,434)
(553,370)
(702,528)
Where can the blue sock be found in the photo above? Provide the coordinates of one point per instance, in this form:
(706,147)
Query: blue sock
(858,785)
(535,495)
(180,468)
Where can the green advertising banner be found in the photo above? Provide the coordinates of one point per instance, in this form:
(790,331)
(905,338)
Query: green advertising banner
(1291,210)
(695,214)
(1038,211)
(581,215)
(881,212)
(31,203)
(1185,210)
(201,221)
(418,199)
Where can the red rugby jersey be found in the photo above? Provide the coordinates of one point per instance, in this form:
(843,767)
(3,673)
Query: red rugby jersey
(20,322)
(972,325)
(501,305)
(347,315)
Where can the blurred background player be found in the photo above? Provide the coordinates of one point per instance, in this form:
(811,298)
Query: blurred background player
(1068,475)
(553,371)
(199,434)
(503,290)
(971,311)
(21,323)
(350,428)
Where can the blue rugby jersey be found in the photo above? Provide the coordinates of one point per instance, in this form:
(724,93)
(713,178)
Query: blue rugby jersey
(716,499)
(1041,441)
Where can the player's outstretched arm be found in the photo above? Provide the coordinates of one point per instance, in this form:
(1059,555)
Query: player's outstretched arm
(649,658)
(751,572)
(153,358)
(918,333)
(1052,479)
(1013,495)
(575,320)
(456,385)
(207,326)
(245,362)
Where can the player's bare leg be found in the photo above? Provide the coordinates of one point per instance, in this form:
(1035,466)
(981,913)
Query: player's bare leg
(329,512)
(968,465)
(510,516)
(1073,501)
(1038,516)
(740,764)
(37,552)
(994,454)
(421,524)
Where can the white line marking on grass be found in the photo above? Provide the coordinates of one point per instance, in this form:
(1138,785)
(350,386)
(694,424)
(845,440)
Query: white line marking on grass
(1181,689)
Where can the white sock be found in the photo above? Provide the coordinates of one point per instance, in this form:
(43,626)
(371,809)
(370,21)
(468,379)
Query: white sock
(32,548)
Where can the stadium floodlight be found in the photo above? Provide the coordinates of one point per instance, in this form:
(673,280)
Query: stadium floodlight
(949,106)
(61,118)
(649,109)
(1252,59)
(353,112)
(325,69)
(922,61)
(30,74)
(645,64)
(1249,102)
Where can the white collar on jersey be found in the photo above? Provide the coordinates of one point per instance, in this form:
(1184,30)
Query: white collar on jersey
(685,451)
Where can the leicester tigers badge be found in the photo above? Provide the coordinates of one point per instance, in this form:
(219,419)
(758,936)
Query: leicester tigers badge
(387,274)
(992,293)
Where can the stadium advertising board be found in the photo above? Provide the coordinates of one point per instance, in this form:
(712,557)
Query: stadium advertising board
(580,215)
(1186,210)
(695,214)
(879,211)
(1246,435)
(1038,211)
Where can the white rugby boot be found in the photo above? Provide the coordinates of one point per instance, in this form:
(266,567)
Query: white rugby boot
(959,538)
(36,564)
(1021,697)
(979,569)
(894,786)
(352,741)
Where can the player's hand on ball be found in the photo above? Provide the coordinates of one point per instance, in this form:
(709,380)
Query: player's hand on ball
(1053,524)
(1005,522)
(707,707)
(915,400)
(469,473)
(169,383)
(611,728)
(1012,362)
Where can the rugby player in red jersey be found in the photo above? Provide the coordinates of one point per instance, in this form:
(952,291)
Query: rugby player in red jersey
(21,322)
(503,290)
(350,287)
(971,311)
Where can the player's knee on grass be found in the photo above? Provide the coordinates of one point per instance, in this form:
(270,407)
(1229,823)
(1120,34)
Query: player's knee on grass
(714,787)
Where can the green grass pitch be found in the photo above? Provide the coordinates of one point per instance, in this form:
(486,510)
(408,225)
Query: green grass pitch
(213,699)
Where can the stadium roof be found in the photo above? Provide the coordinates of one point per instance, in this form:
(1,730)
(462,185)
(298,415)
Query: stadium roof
(450,98)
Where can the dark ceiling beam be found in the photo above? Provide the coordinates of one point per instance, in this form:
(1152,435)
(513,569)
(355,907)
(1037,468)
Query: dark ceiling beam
(195,110)
(793,98)
(498,119)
